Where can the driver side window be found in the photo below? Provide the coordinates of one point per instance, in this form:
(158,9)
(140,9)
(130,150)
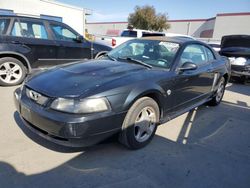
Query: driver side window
(194,53)
(62,33)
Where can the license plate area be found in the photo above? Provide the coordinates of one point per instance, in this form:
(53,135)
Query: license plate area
(26,113)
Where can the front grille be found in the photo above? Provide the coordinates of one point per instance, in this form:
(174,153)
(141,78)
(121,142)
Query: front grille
(45,132)
(36,97)
(240,68)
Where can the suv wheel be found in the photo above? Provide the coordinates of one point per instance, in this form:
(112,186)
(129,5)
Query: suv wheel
(12,71)
(219,93)
(140,123)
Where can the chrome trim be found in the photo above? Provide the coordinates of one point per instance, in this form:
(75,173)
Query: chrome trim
(36,97)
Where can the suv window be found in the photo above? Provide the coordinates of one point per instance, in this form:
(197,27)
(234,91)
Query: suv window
(194,53)
(63,33)
(4,23)
(29,29)
(210,54)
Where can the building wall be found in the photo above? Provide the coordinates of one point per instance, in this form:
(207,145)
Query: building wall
(73,16)
(212,28)
(180,27)
(103,28)
(229,24)
(191,27)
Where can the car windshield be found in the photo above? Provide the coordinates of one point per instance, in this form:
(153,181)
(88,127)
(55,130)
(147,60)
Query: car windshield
(154,53)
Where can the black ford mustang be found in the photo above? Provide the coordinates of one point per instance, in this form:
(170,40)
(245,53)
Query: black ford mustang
(137,86)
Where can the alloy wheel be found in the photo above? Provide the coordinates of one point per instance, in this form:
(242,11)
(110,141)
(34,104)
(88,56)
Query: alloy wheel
(145,124)
(220,91)
(10,72)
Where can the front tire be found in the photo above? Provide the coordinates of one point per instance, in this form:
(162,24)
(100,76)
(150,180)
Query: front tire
(140,123)
(219,93)
(12,71)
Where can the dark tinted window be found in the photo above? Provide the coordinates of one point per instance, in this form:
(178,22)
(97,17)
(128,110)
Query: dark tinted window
(4,23)
(129,33)
(145,34)
(29,29)
(63,33)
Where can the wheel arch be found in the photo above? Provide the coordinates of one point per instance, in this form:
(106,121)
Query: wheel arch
(156,93)
(100,53)
(18,56)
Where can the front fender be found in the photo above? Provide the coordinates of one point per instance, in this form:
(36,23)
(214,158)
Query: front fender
(152,90)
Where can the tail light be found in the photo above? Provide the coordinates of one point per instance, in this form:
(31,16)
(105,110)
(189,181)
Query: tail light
(113,42)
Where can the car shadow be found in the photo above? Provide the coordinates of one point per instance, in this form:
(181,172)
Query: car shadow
(239,88)
(193,160)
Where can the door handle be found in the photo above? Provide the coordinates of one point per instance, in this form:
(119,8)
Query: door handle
(15,42)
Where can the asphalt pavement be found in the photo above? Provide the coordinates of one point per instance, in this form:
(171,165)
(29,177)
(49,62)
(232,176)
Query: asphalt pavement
(208,147)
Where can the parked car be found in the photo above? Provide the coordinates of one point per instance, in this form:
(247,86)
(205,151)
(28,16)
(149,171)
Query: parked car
(28,43)
(237,49)
(215,46)
(137,86)
(126,34)
(129,34)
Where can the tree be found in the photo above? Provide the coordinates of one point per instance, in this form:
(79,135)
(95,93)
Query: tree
(145,17)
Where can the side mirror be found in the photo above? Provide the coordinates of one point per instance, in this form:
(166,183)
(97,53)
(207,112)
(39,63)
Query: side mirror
(79,38)
(188,66)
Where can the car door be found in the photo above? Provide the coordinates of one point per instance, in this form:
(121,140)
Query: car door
(30,37)
(193,86)
(69,49)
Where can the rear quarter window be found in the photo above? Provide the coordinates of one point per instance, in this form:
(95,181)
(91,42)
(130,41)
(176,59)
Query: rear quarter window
(4,24)
(29,29)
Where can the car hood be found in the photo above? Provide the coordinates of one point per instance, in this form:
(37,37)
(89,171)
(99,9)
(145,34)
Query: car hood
(82,78)
(235,46)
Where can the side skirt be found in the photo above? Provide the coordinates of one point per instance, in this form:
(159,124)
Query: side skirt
(173,115)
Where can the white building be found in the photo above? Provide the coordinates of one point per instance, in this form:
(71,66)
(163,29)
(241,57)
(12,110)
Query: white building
(211,28)
(50,9)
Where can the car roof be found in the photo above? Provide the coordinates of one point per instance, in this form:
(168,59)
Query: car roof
(28,17)
(180,40)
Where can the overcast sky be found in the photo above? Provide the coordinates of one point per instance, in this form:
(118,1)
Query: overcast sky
(118,10)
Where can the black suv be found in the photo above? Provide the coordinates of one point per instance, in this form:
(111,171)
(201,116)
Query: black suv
(29,43)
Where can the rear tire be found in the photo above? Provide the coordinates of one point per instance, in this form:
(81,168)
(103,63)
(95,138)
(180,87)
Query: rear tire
(219,93)
(140,123)
(12,71)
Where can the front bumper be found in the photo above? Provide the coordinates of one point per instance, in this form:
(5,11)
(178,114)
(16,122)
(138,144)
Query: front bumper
(67,129)
(240,70)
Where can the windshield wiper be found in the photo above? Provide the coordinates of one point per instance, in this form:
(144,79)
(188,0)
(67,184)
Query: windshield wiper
(110,57)
(135,61)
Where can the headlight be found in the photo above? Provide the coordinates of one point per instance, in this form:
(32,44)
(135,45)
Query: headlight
(84,106)
(239,61)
